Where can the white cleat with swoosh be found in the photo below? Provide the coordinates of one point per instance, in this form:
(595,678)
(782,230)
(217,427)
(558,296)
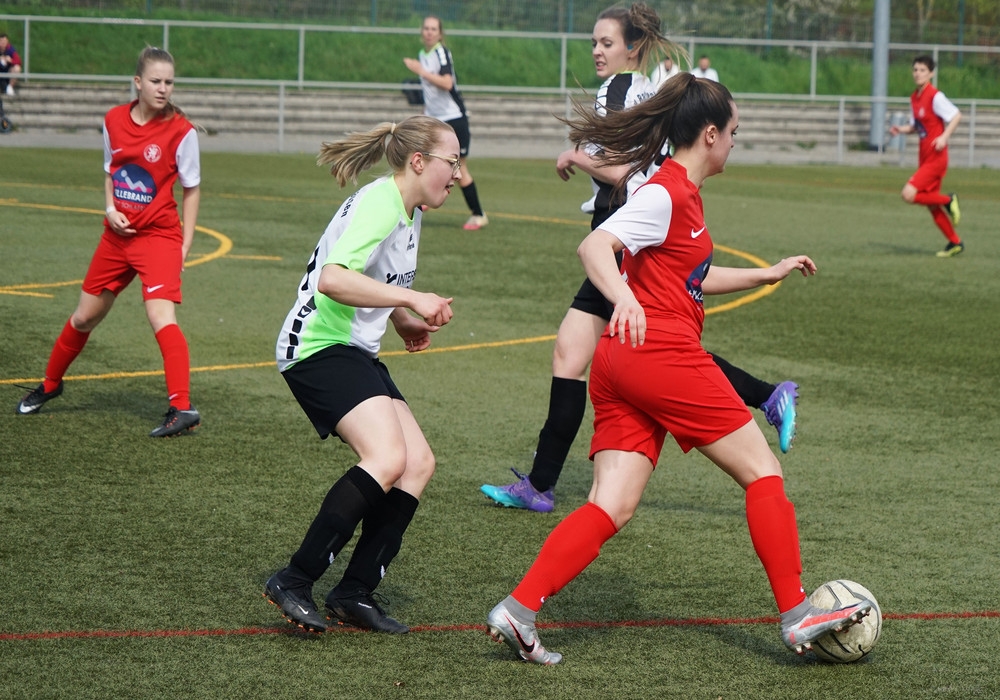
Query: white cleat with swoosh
(521,638)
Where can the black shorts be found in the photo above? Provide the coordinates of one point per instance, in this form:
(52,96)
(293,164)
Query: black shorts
(461,127)
(331,383)
(590,300)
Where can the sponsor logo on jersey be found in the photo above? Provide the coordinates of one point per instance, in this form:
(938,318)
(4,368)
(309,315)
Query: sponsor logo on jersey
(404,279)
(346,206)
(134,188)
(694,281)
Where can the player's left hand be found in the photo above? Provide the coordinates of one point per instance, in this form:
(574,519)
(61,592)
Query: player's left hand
(785,267)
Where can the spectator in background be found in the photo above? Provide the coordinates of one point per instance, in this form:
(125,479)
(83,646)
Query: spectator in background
(705,70)
(664,69)
(10,63)
(443,101)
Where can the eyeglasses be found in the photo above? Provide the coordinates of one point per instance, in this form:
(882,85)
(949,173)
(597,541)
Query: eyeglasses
(455,163)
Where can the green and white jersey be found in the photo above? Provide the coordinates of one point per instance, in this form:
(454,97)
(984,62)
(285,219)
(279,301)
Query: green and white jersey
(446,105)
(372,234)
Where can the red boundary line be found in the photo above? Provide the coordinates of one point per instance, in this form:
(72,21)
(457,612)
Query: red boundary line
(663,622)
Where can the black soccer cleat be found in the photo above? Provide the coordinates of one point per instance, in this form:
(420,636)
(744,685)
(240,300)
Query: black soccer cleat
(296,604)
(359,609)
(36,398)
(176,422)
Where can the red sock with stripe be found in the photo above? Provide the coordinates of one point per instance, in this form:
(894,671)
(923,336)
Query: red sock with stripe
(568,550)
(176,365)
(68,346)
(771,518)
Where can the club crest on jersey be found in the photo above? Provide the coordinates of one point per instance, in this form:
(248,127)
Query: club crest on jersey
(695,279)
(152,153)
(134,188)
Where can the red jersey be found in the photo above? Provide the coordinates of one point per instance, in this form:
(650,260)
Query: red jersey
(144,162)
(931,113)
(13,59)
(663,227)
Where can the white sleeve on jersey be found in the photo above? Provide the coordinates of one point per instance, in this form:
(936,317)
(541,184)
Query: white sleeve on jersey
(189,160)
(944,108)
(643,220)
(107,150)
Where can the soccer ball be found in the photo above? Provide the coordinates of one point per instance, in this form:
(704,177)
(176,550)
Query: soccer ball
(853,643)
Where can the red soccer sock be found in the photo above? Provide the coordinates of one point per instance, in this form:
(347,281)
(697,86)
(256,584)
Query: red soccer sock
(771,518)
(568,550)
(68,346)
(176,365)
(943,222)
(932,199)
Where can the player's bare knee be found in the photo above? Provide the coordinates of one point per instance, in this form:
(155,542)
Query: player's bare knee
(422,467)
(569,363)
(386,468)
(85,322)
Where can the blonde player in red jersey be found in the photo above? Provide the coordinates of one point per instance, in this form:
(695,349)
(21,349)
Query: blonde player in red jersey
(935,119)
(148,146)
(652,376)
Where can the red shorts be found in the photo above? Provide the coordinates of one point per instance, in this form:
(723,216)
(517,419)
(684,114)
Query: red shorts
(930,175)
(155,258)
(668,385)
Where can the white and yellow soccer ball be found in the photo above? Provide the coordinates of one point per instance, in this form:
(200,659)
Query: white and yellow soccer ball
(855,642)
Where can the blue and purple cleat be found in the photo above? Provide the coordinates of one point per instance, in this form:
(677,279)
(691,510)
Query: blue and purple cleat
(779,409)
(521,494)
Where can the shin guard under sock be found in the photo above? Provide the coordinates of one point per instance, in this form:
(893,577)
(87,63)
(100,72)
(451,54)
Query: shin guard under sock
(381,538)
(347,502)
(67,348)
(943,222)
(775,536)
(176,365)
(567,404)
(569,549)
(932,199)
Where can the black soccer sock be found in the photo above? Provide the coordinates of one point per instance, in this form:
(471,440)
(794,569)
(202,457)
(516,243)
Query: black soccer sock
(472,199)
(381,537)
(567,403)
(347,502)
(753,391)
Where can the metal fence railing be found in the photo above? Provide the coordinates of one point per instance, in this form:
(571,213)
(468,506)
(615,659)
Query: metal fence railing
(774,19)
(978,135)
(817,50)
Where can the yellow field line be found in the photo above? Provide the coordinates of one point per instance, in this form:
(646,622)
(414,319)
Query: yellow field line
(226,244)
(271,363)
